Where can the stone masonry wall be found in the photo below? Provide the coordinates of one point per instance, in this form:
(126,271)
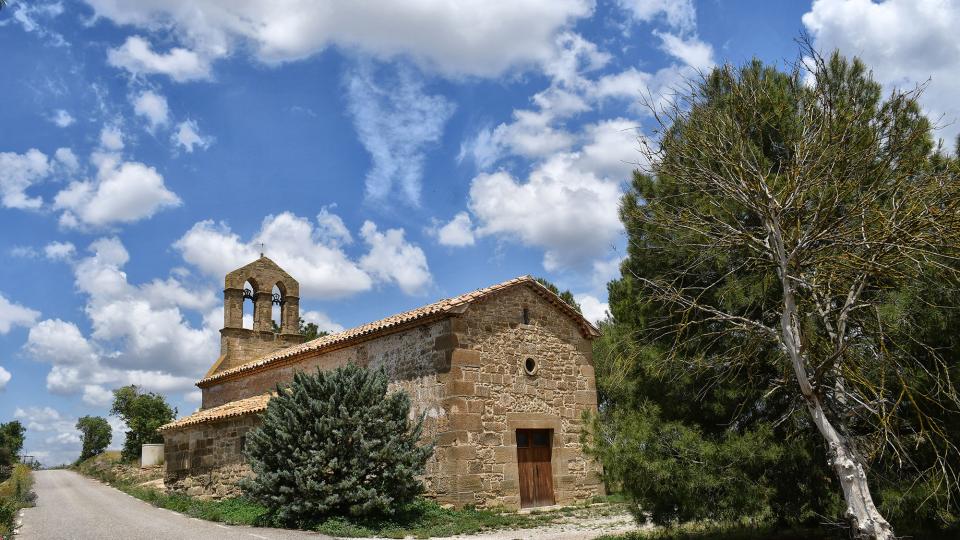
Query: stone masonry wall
(240,345)
(206,460)
(415,360)
(466,375)
(490,396)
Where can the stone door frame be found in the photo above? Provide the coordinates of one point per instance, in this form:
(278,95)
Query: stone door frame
(511,473)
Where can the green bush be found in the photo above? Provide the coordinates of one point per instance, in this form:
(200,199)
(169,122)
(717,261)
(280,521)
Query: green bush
(335,443)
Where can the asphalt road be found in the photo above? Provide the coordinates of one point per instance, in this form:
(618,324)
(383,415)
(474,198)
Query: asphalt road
(73,507)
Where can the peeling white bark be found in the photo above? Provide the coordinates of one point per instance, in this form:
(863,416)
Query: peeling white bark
(865,519)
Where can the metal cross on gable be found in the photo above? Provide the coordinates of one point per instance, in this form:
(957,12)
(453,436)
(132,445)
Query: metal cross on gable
(261,249)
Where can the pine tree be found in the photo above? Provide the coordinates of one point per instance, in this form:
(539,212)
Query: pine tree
(335,443)
(769,241)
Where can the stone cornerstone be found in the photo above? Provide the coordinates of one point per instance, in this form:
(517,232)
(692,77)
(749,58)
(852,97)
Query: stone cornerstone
(497,373)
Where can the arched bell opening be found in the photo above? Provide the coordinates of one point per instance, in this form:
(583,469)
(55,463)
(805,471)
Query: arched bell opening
(276,308)
(249,304)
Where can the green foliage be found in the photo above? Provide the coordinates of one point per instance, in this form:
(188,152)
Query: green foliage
(15,493)
(238,511)
(11,444)
(12,436)
(684,429)
(681,446)
(676,474)
(566,296)
(335,443)
(144,413)
(95,435)
(685,398)
(309,331)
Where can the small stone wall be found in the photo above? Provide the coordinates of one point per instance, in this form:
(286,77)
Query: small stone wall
(206,460)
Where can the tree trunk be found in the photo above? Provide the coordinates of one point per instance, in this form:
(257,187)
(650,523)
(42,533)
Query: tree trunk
(865,520)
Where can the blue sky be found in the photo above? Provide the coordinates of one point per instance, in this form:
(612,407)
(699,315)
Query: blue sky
(387,155)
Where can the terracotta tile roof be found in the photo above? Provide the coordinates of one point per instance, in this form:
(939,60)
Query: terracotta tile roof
(228,410)
(446,306)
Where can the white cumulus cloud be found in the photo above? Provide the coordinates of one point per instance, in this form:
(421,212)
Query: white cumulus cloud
(59,342)
(677,13)
(51,436)
(137,336)
(111,138)
(68,159)
(13,314)
(322,320)
(62,118)
(17,173)
(187,136)
(458,232)
(468,37)
(312,252)
(59,251)
(393,259)
(153,107)
(569,212)
(691,50)
(138,57)
(4,378)
(904,43)
(122,192)
(593,309)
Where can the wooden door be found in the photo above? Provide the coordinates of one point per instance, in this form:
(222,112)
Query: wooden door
(533,462)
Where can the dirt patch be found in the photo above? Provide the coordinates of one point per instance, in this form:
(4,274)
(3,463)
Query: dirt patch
(572,530)
(568,528)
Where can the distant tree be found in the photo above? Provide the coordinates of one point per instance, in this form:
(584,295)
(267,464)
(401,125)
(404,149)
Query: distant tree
(12,436)
(311,331)
(144,413)
(95,435)
(566,296)
(336,443)
(11,443)
(308,330)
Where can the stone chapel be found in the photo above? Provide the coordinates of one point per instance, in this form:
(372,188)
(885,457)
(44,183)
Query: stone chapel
(503,376)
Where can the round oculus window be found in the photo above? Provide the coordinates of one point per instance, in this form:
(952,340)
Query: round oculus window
(530,366)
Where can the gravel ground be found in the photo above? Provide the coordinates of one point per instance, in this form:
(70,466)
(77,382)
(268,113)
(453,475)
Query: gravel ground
(574,529)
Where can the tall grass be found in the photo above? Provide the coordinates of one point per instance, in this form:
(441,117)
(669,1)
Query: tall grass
(15,493)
